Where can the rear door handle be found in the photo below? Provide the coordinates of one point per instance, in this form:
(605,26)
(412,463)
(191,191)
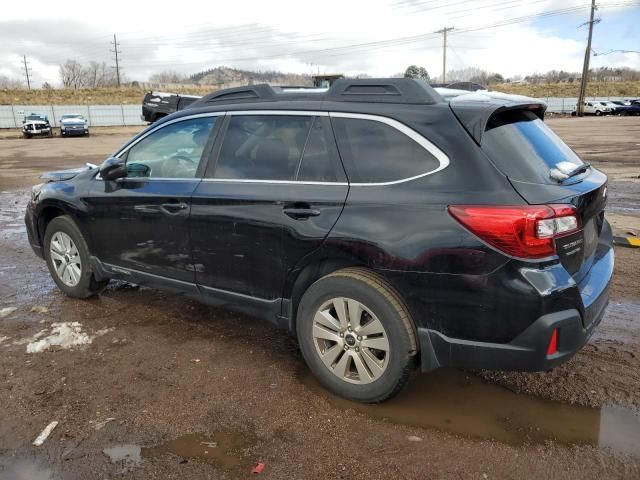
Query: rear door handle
(301,213)
(173,207)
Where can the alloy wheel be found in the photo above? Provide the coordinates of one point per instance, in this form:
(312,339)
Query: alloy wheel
(65,258)
(350,340)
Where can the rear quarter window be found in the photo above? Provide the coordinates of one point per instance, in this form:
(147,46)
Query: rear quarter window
(524,148)
(374,152)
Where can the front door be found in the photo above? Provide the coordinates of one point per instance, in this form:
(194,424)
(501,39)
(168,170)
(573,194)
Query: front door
(274,194)
(140,223)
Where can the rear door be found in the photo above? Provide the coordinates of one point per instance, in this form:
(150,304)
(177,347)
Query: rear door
(273,196)
(539,165)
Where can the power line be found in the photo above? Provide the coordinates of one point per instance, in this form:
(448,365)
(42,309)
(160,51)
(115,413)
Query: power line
(27,69)
(609,52)
(585,65)
(116,51)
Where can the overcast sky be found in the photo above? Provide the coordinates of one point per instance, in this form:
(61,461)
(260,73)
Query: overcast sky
(348,36)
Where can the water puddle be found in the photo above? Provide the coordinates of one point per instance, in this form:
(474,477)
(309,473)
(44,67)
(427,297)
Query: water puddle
(23,469)
(223,450)
(128,455)
(452,401)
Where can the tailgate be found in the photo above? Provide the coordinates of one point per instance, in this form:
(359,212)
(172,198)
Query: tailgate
(544,170)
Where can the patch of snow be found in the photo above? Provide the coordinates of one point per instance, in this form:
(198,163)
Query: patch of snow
(65,335)
(3,338)
(6,311)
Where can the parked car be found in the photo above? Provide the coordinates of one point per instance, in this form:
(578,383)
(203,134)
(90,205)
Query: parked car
(594,108)
(625,108)
(385,227)
(73,124)
(156,105)
(35,124)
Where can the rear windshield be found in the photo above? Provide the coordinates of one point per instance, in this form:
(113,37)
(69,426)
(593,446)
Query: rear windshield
(526,149)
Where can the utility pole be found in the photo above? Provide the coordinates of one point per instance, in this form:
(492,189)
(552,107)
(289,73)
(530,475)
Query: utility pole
(444,52)
(585,65)
(116,51)
(26,71)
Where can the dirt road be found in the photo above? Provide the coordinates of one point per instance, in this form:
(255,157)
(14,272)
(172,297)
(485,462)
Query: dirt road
(164,387)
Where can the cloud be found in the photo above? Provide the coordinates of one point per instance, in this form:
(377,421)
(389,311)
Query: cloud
(376,38)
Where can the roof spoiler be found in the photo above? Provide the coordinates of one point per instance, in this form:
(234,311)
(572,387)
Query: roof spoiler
(476,109)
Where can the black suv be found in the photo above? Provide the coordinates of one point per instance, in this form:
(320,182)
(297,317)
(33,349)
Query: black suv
(385,227)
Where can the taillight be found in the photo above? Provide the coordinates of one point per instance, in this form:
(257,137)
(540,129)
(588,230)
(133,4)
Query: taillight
(525,231)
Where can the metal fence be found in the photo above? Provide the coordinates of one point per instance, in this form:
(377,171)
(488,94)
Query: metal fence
(568,104)
(119,115)
(98,115)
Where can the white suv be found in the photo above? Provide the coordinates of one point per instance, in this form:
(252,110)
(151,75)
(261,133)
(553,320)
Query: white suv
(595,108)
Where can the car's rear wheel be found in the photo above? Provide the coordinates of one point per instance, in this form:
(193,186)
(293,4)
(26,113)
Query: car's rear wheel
(68,259)
(356,335)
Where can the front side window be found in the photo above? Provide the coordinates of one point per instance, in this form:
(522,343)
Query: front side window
(374,152)
(263,147)
(173,151)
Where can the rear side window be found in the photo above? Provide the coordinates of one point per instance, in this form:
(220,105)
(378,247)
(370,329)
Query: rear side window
(319,160)
(374,152)
(524,148)
(263,147)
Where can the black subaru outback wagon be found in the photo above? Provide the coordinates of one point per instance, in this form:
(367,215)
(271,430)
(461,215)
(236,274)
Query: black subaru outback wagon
(384,226)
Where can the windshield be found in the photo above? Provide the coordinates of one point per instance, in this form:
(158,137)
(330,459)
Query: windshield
(526,149)
(66,117)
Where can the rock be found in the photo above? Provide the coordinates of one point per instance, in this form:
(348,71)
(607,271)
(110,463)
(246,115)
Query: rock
(413,438)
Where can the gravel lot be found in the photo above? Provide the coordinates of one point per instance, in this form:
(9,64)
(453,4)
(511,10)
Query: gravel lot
(166,379)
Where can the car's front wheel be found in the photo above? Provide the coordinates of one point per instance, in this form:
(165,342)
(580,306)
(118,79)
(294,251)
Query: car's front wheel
(356,335)
(68,259)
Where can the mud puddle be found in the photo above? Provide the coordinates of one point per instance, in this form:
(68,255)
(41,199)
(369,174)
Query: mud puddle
(459,403)
(12,468)
(620,323)
(222,450)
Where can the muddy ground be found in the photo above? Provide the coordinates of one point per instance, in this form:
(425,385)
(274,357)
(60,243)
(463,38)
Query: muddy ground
(166,372)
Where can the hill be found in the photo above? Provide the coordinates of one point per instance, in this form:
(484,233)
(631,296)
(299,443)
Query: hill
(128,95)
(232,77)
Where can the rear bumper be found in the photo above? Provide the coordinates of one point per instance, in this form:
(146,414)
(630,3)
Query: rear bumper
(528,351)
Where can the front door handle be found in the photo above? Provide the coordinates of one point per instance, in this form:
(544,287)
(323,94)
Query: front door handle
(173,207)
(301,212)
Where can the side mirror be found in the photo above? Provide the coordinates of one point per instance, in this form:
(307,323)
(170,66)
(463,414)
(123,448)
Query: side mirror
(113,168)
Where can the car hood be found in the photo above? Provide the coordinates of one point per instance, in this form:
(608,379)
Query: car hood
(72,121)
(62,175)
(36,122)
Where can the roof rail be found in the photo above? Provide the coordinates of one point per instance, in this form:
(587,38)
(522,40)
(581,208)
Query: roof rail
(375,90)
(383,90)
(251,92)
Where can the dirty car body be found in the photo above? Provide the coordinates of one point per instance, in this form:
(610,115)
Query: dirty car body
(494,243)
(35,125)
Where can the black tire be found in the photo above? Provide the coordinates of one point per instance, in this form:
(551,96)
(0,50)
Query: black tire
(598,113)
(87,285)
(623,113)
(376,294)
